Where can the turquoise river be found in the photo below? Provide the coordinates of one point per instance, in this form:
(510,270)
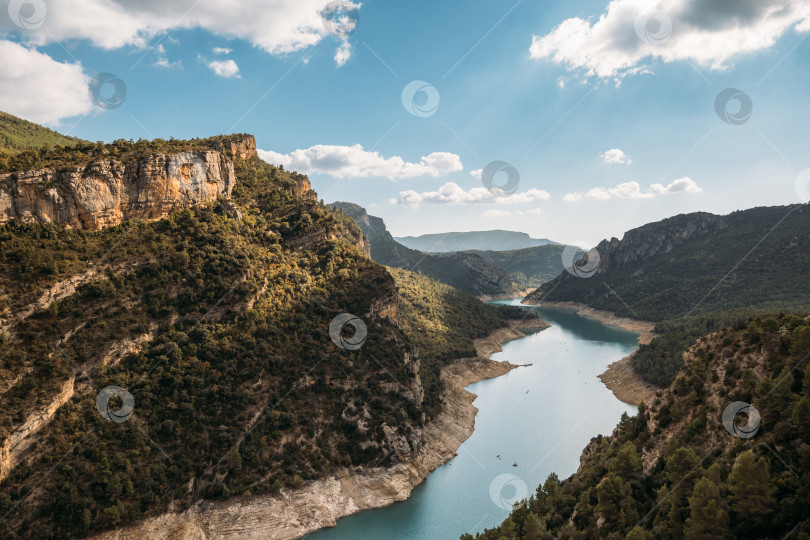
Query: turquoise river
(531,422)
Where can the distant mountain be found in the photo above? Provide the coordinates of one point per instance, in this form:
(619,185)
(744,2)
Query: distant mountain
(697,263)
(468,272)
(496,240)
(528,267)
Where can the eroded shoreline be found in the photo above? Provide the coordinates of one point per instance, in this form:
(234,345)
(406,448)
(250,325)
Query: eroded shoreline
(619,377)
(319,504)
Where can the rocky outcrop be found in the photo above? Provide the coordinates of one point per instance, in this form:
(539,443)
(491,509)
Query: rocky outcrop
(301,187)
(653,239)
(237,147)
(107,192)
(15,445)
(645,242)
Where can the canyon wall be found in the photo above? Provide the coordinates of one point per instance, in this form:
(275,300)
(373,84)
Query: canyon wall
(108,192)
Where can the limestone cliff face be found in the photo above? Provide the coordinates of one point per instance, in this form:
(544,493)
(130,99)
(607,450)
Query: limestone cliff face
(645,242)
(107,192)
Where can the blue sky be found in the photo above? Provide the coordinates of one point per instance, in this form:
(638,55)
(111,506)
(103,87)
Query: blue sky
(549,87)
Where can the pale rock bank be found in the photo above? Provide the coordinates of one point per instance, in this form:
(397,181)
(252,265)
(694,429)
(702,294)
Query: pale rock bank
(319,504)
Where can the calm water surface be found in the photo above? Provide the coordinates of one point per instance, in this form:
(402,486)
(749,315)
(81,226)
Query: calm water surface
(538,417)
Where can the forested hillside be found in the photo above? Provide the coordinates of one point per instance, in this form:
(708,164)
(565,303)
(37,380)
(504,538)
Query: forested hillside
(468,272)
(216,321)
(528,268)
(698,462)
(698,263)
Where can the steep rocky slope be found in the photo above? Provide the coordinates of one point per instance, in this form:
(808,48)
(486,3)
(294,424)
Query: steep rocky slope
(466,271)
(215,316)
(106,192)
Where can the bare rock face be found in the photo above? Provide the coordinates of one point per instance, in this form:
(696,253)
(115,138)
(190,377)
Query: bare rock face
(105,193)
(20,440)
(652,239)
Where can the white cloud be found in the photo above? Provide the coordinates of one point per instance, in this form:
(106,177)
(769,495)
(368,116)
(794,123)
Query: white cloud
(221,50)
(452,193)
(681,185)
(614,155)
(36,87)
(275,26)
(709,32)
(343,53)
(632,190)
(163,60)
(355,162)
(476,173)
(225,68)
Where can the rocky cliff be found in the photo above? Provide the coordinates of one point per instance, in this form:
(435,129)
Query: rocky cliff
(696,263)
(643,243)
(107,192)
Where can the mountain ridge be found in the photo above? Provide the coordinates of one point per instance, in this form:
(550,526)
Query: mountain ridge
(490,240)
(696,263)
(471,273)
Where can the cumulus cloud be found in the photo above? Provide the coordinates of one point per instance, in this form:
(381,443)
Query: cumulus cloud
(614,155)
(632,190)
(343,53)
(452,193)
(632,33)
(225,68)
(222,50)
(275,26)
(36,87)
(476,173)
(681,185)
(355,162)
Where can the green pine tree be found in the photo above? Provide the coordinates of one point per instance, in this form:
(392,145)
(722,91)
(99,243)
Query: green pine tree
(627,464)
(708,518)
(749,484)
